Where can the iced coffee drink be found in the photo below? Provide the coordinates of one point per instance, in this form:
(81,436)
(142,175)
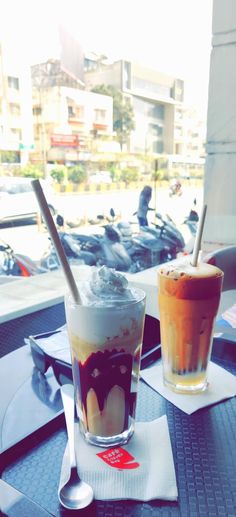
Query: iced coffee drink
(188,301)
(105,333)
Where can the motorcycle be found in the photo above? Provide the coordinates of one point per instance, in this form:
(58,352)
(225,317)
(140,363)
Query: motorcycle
(107,248)
(144,249)
(119,248)
(17,264)
(115,253)
(152,246)
(192,219)
(96,249)
(75,254)
(175,189)
(167,230)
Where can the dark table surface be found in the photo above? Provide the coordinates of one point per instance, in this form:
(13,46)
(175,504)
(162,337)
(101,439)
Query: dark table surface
(203,444)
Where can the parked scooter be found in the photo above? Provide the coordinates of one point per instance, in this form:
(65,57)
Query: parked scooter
(75,254)
(167,230)
(191,222)
(102,219)
(96,249)
(144,249)
(192,219)
(107,248)
(152,246)
(115,253)
(17,264)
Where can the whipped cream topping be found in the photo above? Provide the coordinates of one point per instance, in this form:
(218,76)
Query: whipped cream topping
(109,315)
(106,287)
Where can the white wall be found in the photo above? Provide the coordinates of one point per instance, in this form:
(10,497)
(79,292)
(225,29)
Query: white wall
(220,168)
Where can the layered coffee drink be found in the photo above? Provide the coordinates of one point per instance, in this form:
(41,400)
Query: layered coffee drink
(189,299)
(105,334)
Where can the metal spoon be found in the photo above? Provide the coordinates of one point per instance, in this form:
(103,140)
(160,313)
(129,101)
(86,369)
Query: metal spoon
(75,494)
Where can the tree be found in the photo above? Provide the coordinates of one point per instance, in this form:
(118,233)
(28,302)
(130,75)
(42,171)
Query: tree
(59,174)
(31,170)
(123,114)
(8,157)
(128,175)
(77,174)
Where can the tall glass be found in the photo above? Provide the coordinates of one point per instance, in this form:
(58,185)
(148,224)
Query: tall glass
(106,343)
(189,299)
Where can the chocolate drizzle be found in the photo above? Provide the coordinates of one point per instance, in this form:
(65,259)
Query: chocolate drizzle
(101,372)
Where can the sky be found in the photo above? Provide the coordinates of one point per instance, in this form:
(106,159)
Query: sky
(172,36)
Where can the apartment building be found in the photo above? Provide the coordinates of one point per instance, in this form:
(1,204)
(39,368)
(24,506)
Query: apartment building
(16,120)
(49,115)
(162,121)
(156,99)
(69,123)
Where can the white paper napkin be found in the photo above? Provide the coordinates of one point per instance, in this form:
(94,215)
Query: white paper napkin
(222,385)
(230,316)
(143,469)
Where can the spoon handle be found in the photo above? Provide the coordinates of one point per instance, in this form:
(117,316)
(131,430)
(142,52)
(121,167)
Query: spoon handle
(67,394)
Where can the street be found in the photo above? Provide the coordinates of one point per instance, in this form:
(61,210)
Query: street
(32,239)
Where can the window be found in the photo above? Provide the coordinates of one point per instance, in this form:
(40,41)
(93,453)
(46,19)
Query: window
(151,87)
(14,109)
(13,82)
(71,112)
(37,110)
(155,129)
(16,133)
(157,111)
(127,75)
(48,103)
(100,115)
(158,147)
(76,112)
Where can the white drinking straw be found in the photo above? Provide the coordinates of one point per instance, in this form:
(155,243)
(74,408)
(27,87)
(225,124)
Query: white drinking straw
(56,239)
(198,239)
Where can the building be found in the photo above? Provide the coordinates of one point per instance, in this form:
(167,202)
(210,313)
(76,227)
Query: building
(16,120)
(163,123)
(48,114)
(69,123)
(156,99)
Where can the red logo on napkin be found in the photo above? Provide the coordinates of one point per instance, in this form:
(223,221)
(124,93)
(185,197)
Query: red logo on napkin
(118,458)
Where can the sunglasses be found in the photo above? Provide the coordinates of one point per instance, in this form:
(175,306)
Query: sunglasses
(63,370)
(43,361)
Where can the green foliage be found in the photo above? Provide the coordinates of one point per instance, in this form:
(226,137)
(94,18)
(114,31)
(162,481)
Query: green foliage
(59,174)
(115,172)
(32,171)
(123,114)
(8,157)
(77,174)
(128,175)
(161,174)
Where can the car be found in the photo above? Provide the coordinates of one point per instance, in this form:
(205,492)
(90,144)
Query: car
(18,200)
(100,177)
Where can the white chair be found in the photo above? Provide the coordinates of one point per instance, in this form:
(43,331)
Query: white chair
(225,259)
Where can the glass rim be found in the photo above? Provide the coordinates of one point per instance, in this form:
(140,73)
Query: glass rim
(166,267)
(69,301)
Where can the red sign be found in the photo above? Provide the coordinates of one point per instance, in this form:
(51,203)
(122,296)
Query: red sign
(64,140)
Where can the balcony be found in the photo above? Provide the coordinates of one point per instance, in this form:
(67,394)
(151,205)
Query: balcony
(99,126)
(74,118)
